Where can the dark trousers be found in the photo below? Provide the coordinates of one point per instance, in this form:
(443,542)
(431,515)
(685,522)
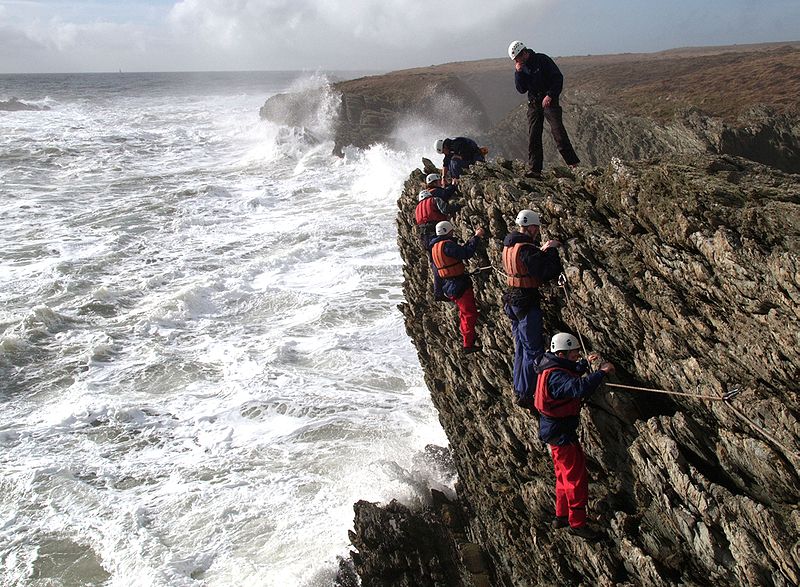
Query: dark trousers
(527,328)
(536,117)
(458,165)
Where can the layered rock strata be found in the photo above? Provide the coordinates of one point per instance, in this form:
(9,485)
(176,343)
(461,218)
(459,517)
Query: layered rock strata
(687,276)
(600,132)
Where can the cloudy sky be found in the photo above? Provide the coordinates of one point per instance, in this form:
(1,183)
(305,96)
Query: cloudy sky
(184,35)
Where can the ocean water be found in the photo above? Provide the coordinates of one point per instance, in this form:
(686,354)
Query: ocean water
(202,366)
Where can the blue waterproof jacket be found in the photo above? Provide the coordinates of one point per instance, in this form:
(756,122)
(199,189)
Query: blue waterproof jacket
(539,77)
(563,385)
(454,287)
(543,265)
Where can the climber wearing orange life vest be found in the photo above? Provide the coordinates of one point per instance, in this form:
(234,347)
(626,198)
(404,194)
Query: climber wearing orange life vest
(448,258)
(559,391)
(527,265)
(434,206)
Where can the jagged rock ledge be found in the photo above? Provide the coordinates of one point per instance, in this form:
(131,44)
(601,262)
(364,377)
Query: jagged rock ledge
(686,274)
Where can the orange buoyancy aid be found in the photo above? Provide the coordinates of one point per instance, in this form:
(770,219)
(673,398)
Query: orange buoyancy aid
(446,266)
(516,272)
(554,408)
(427,211)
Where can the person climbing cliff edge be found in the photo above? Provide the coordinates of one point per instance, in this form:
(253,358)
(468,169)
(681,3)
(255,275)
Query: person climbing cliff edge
(434,206)
(527,266)
(559,390)
(459,153)
(448,257)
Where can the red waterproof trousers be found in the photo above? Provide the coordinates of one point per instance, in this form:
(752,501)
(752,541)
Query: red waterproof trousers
(468,316)
(572,483)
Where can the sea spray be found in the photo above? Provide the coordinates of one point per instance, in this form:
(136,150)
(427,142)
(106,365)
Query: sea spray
(202,362)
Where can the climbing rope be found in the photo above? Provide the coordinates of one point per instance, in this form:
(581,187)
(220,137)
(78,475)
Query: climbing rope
(562,283)
(500,271)
(480,270)
(764,433)
(726,398)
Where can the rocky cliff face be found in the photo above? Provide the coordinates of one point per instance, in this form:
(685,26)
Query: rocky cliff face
(687,276)
(600,132)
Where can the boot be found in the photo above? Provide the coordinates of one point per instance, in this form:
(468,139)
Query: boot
(585,532)
(560,522)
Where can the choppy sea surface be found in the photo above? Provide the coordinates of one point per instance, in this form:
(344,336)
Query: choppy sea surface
(202,365)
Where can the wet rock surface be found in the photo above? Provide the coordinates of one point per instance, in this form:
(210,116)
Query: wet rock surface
(400,547)
(685,274)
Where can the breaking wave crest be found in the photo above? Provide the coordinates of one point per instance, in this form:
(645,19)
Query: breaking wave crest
(202,363)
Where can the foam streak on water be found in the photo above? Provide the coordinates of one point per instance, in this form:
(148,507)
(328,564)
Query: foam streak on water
(201,362)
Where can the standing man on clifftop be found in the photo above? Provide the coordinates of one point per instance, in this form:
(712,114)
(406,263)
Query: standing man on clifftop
(538,75)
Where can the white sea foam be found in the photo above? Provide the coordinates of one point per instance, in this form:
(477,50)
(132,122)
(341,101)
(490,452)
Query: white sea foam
(202,363)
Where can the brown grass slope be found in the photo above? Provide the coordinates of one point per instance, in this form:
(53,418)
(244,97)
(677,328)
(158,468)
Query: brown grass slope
(724,82)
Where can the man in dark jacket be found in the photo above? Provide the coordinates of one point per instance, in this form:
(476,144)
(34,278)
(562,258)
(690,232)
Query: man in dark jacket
(559,391)
(539,76)
(448,258)
(527,265)
(459,153)
(433,207)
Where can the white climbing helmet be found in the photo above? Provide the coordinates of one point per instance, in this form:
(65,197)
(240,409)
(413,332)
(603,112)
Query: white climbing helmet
(515,48)
(439,145)
(432,177)
(563,342)
(527,218)
(423,194)
(444,227)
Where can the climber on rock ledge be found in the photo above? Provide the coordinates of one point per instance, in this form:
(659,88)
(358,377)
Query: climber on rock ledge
(559,390)
(448,258)
(459,153)
(527,266)
(434,206)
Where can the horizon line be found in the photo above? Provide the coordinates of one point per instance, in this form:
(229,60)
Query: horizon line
(402,68)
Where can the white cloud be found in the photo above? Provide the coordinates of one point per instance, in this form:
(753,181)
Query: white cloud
(305,31)
(97,35)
